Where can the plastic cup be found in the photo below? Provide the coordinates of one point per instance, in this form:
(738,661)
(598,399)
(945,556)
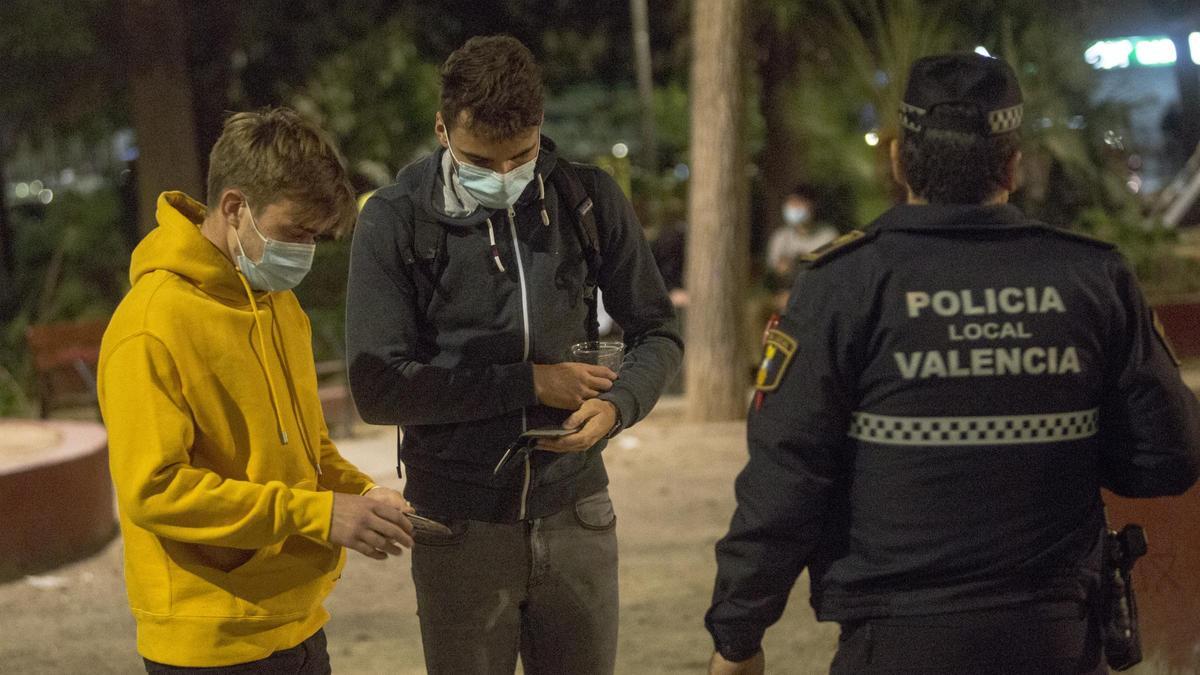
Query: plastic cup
(608,354)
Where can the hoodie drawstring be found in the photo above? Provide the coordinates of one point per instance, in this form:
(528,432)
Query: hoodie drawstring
(542,199)
(492,230)
(270,381)
(262,344)
(495,249)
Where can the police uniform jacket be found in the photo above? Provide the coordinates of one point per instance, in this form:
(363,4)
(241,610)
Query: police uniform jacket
(943,399)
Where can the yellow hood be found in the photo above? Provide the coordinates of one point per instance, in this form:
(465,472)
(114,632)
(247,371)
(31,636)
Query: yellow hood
(177,246)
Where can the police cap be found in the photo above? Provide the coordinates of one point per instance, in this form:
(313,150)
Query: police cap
(965,80)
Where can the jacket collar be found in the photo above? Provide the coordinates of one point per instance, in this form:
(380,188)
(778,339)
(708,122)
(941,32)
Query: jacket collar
(951,217)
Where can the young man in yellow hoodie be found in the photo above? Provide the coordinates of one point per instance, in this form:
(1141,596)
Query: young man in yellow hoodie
(234,504)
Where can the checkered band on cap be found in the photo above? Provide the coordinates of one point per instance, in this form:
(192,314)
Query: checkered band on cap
(910,116)
(957,431)
(1006,119)
(1000,121)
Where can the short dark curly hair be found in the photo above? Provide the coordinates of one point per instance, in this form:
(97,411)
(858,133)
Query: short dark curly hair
(946,166)
(496,81)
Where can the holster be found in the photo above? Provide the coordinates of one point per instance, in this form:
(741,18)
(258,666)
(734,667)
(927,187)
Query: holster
(1118,606)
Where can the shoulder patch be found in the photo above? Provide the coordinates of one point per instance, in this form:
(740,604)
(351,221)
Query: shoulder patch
(777,356)
(1079,236)
(846,242)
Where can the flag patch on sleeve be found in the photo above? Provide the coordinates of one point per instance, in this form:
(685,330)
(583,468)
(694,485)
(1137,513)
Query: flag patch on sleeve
(777,355)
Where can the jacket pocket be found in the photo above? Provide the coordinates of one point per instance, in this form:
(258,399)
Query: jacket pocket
(283,579)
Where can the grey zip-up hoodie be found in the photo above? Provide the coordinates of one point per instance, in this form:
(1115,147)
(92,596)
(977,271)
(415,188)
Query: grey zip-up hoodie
(442,333)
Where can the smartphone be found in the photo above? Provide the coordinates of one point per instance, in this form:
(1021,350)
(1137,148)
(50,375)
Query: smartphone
(423,524)
(525,442)
(548,432)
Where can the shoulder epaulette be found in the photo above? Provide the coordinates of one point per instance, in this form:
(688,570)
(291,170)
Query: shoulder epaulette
(843,244)
(1078,236)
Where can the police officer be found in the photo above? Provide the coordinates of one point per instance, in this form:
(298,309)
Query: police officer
(937,411)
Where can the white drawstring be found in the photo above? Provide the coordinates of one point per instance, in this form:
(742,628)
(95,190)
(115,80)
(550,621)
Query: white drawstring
(495,249)
(542,199)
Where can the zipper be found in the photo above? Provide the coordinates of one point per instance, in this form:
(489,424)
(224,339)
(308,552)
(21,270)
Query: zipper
(512,228)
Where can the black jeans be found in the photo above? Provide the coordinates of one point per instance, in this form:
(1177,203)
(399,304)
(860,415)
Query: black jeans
(1007,641)
(310,657)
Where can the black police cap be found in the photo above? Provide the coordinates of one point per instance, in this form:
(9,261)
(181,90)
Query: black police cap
(962,79)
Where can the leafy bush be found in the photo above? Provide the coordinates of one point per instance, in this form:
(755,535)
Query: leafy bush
(72,262)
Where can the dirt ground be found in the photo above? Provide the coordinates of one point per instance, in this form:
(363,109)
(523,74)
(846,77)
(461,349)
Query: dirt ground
(672,486)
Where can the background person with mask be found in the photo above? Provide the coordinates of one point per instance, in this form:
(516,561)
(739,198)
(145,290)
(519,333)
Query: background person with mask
(470,279)
(800,233)
(233,502)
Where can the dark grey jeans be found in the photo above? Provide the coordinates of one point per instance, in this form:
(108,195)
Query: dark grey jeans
(545,589)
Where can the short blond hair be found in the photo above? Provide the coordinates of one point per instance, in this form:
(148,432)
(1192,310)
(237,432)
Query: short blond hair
(274,154)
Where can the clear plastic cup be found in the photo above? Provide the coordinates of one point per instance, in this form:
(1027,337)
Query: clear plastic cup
(609,354)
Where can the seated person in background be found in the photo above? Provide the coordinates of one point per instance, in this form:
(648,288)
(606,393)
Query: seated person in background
(799,234)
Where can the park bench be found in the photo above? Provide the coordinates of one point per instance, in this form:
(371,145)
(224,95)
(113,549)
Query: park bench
(65,356)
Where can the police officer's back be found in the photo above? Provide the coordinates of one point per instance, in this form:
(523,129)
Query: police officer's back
(938,409)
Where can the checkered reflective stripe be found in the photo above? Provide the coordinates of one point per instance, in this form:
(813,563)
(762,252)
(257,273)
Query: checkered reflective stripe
(910,116)
(997,430)
(1006,119)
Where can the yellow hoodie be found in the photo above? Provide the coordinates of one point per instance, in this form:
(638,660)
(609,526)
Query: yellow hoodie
(220,454)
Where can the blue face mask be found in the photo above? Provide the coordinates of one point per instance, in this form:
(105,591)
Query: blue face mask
(796,215)
(491,189)
(283,265)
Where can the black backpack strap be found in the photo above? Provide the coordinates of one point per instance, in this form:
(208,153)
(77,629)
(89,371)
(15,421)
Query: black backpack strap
(572,193)
(422,244)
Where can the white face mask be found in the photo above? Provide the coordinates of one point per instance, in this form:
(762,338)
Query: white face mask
(493,190)
(283,266)
(796,215)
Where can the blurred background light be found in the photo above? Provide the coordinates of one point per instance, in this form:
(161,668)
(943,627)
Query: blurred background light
(1109,54)
(1155,52)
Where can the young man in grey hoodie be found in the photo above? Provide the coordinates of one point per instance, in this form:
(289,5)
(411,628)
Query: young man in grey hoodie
(471,277)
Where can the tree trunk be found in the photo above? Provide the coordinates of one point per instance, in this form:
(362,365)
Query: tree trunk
(215,23)
(716,372)
(779,161)
(7,247)
(1187,75)
(161,94)
(645,83)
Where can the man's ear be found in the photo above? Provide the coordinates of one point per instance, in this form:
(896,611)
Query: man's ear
(230,204)
(1012,173)
(897,170)
(439,129)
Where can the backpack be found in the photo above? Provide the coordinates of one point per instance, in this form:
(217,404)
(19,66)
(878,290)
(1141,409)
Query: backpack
(426,246)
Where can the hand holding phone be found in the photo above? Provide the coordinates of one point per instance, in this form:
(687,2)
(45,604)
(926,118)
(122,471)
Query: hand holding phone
(525,442)
(547,432)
